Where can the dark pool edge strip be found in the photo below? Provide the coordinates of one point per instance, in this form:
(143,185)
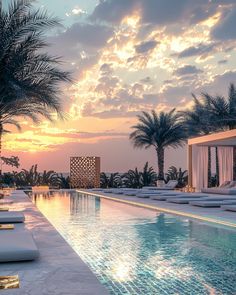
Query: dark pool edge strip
(165,210)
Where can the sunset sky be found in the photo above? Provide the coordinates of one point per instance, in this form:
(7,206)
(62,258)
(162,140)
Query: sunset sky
(127,56)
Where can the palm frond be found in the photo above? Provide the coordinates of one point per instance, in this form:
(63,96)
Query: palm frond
(29,78)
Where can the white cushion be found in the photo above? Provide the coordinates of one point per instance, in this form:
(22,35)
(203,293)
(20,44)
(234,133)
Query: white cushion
(17,245)
(11,217)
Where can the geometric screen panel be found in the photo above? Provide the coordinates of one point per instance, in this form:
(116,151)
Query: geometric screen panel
(85,172)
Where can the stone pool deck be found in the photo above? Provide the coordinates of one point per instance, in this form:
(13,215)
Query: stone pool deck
(59,270)
(215,215)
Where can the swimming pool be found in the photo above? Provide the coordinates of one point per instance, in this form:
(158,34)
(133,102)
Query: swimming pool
(139,251)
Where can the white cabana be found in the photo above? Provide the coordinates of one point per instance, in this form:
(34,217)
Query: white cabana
(198,157)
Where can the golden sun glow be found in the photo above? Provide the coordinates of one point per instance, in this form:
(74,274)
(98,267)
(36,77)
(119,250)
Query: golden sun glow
(140,59)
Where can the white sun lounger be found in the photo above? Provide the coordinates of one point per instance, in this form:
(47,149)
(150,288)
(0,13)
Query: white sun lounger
(229,208)
(211,204)
(158,193)
(107,191)
(17,245)
(97,189)
(5,202)
(11,217)
(130,193)
(151,192)
(144,196)
(165,194)
(229,198)
(181,200)
(221,191)
(150,187)
(171,185)
(118,192)
(165,198)
(147,194)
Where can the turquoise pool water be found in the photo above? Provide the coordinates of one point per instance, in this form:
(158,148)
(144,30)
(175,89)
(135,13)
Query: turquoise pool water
(139,251)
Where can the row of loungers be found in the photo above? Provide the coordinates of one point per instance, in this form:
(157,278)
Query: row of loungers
(16,242)
(201,200)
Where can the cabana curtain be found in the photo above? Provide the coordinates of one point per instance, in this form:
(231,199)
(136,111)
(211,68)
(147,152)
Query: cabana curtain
(200,167)
(225,156)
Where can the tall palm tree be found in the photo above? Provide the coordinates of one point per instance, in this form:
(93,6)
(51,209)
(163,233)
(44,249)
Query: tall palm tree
(197,120)
(29,78)
(159,131)
(210,114)
(222,111)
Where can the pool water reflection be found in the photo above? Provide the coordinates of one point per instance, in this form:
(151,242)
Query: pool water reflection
(139,251)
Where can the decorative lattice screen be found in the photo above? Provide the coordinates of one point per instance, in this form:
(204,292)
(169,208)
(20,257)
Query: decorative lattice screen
(85,172)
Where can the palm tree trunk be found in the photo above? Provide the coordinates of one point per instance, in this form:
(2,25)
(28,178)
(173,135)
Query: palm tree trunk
(209,167)
(160,160)
(217,167)
(1,132)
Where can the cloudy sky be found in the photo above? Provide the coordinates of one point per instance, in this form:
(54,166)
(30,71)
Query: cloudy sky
(128,56)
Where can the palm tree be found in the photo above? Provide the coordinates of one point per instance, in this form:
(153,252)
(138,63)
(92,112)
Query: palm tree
(197,120)
(29,78)
(132,178)
(177,174)
(49,178)
(29,177)
(223,110)
(148,176)
(110,181)
(223,115)
(210,114)
(64,181)
(159,131)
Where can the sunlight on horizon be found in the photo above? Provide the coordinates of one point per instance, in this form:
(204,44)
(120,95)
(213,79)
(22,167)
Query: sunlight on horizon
(124,63)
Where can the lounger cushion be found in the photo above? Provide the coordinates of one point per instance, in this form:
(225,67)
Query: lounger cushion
(206,203)
(187,195)
(5,202)
(225,184)
(130,193)
(232,184)
(229,208)
(219,198)
(172,184)
(164,197)
(221,191)
(150,187)
(17,245)
(158,196)
(11,217)
(210,204)
(181,200)
(173,193)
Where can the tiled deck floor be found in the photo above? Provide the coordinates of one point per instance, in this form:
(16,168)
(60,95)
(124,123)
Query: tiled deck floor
(209,214)
(59,270)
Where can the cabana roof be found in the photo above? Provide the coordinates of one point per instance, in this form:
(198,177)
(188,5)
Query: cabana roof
(225,138)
